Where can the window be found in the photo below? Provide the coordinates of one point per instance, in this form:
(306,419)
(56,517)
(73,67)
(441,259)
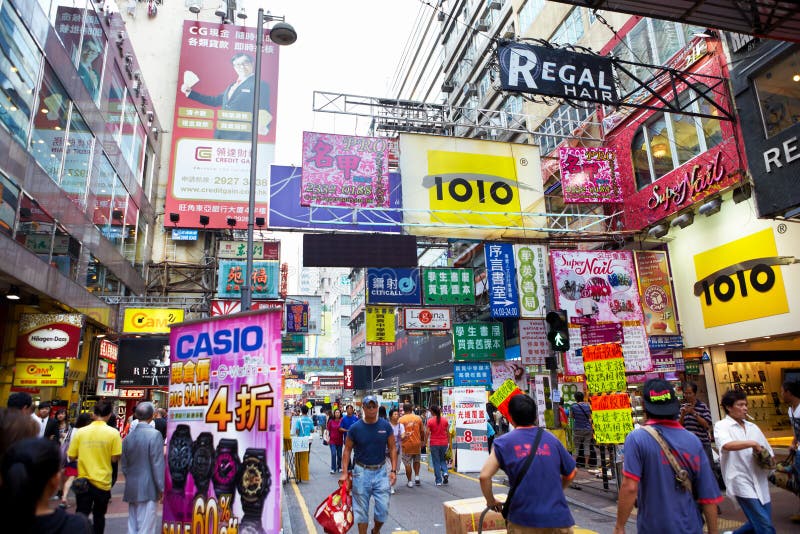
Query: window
(778,91)
(92,55)
(9,200)
(528,13)
(20,59)
(560,124)
(571,30)
(101,191)
(35,228)
(114,104)
(67,18)
(667,140)
(47,142)
(75,176)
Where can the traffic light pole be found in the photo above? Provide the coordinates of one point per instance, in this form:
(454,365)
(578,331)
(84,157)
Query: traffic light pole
(554,357)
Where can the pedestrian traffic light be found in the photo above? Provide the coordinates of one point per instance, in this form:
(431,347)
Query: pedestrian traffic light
(558,335)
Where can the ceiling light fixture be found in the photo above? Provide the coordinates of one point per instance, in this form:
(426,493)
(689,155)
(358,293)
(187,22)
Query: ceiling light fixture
(13,293)
(683,220)
(658,231)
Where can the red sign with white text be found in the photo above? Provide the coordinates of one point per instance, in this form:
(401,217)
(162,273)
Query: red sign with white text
(348,377)
(210,158)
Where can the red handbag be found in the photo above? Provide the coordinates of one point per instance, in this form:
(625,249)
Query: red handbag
(335,513)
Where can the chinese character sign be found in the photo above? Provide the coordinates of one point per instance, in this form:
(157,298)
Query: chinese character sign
(449,287)
(297,317)
(531,261)
(502,278)
(210,159)
(393,286)
(345,170)
(231,275)
(380,325)
(655,291)
(600,285)
(533,345)
(589,175)
(349,381)
(604,368)
(470,441)
(478,342)
(472,374)
(224,431)
(327,365)
(611,418)
(503,394)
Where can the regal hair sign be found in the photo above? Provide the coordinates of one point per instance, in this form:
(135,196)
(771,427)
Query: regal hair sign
(554,72)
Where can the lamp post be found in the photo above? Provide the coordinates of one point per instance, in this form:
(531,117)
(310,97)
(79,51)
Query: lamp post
(281,34)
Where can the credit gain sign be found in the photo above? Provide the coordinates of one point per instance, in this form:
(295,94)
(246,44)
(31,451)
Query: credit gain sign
(554,72)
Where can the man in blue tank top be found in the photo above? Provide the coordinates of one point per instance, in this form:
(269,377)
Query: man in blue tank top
(369,438)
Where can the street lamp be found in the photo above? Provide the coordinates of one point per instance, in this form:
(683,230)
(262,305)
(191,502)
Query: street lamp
(281,34)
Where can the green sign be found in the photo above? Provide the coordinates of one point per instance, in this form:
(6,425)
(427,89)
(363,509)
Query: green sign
(293,344)
(478,342)
(692,367)
(448,287)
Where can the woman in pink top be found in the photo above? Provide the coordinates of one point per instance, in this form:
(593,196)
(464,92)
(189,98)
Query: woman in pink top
(335,441)
(438,427)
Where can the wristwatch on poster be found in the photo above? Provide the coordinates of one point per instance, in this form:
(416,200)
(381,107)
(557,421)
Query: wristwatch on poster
(226,465)
(179,455)
(202,461)
(253,482)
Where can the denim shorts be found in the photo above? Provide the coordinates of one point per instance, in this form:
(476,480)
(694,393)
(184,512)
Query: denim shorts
(370,483)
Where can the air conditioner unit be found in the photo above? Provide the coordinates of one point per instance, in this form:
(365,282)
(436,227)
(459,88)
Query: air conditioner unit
(448,86)
(441,16)
(509,32)
(495,4)
(483,25)
(470,89)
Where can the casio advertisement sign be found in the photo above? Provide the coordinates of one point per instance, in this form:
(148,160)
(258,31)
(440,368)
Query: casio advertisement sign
(558,73)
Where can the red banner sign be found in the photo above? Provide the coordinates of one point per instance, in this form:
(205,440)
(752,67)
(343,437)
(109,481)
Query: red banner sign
(49,335)
(348,377)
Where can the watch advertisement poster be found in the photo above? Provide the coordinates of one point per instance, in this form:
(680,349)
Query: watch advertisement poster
(224,431)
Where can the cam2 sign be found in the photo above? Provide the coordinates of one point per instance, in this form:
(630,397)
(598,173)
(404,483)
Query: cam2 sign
(554,72)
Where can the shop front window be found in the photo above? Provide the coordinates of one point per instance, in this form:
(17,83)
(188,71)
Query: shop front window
(66,253)
(35,229)
(101,191)
(77,162)
(778,90)
(48,140)
(20,60)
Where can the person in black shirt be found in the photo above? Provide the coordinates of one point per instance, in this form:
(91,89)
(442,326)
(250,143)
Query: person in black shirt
(160,421)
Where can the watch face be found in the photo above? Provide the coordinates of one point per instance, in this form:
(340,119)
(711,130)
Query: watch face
(202,461)
(252,479)
(225,469)
(180,456)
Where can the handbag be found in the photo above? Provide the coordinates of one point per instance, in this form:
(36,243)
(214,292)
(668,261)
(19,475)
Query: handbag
(80,485)
(681,474)
(326,436)
(507,504)
(764,459)
(785,476)
(335,513)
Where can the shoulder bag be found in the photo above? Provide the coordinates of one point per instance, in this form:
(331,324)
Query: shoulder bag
(681,474)
(525,466)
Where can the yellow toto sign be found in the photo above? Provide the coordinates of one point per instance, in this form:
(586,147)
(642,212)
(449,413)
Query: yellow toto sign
(741,280)
(151,320)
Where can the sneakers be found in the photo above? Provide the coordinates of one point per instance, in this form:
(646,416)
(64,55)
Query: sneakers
(446,479)
(333,471)
(438,483)
(410,484)
(416,482)
(391,490)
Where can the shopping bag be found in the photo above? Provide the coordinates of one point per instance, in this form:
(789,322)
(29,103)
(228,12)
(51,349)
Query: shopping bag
(335,513)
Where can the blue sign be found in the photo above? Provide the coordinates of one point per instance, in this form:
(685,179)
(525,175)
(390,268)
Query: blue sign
(264,283)
(472,374)
(665,342)
(393,286)
(184,234)
(502,277)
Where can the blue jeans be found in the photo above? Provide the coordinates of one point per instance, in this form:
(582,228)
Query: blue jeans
(370,483)
(336,457)
(439,462)
(759,517)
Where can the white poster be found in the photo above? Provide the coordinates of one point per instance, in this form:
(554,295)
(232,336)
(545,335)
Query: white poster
(539,397)
(509,370)
(470,443)
(534,347)
(532,267)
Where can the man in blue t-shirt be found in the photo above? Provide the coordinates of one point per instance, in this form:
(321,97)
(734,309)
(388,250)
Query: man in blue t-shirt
(369,439)
(538,500)
(303,426)
(348,420)
(664,505)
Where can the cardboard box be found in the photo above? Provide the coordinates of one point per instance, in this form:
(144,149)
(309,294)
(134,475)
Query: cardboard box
(462,516)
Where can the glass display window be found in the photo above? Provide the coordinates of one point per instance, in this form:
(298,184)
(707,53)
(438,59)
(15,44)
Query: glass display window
(77,160)
(49,135)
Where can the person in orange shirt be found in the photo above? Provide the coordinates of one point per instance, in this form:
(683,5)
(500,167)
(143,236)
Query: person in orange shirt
(412,439)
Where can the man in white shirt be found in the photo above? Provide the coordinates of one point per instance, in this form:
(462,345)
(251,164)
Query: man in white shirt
(744,478)
(790,390)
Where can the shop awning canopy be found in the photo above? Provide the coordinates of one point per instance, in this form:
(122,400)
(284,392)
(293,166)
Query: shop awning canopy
(772,19)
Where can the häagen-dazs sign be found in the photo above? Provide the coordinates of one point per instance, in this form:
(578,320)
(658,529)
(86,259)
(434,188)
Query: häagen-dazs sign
(49,335)
(555,72)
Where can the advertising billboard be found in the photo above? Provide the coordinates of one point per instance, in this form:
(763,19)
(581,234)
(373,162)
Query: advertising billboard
(501,273)
(655,292)
(467,188)
(143,362)
(224,431)
(210,157)
(345,170)
(231,274)
(286,212)
(393,286)
(40,373)
(589,175)
(49,335)
(150,320)
(532,269)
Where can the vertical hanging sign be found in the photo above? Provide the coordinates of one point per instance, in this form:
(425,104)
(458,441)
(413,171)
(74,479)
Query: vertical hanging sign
(531,261)
(502,277)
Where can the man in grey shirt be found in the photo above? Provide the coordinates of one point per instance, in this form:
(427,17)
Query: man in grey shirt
(143,464)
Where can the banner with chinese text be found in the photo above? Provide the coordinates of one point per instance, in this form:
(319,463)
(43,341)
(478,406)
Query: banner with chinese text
(345,170)
(470,442)
(224,430)
(317,365)
(472,374)
(448,287)
(604,368)
(211,132)
(231,273)
(380,325)
(478,342)
(502,278)
(533,344)
(589,175)
(532,269)
(611,418)
(297,317)
(655,292)
(393,286)
(503,394)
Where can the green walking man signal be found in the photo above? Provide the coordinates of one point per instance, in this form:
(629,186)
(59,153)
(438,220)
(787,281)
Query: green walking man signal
(558,334)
